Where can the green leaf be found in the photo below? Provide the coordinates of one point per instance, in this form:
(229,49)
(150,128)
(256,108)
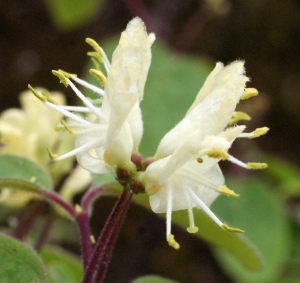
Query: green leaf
(261,214)
(236,244)
(286,174)
(19,263)
(71,14)
(153,279)
(21,168)
(61,266)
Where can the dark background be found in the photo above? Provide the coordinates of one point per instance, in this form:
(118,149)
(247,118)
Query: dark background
(265,33)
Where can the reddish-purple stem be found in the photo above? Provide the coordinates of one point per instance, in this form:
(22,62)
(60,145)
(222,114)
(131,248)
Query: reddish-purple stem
(110,243)
(104,236)
(90,196)
(52,196)
(82,219)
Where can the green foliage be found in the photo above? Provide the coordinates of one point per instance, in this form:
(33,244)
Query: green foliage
(61,266)
(19,263)
(72,14)
(261,214)
(153,279)
(20,168)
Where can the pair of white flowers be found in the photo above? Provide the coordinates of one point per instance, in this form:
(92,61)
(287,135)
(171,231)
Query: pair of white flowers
(184,172)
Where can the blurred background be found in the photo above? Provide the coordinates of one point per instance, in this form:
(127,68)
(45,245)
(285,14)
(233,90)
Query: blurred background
(39,36)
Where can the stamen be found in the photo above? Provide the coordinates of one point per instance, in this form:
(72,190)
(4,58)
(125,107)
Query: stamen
(100,51)
(172,242)
(192,229)
(249,165)
(249,92)
(217,153)
(99,75)
(238,116)
(41,97)
(255,134)
(73,152)
(67,127)
(204,207)
(52,155)
(62,78)
(76,108)
(199,160)
(86,101)
(170,237)
(89,86)
(232,230)
(225,191)
(169,209)
(256,166)
(67,113)
(192,176)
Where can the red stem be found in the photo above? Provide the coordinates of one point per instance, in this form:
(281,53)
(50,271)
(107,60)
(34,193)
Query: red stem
(106,233)
(110,243)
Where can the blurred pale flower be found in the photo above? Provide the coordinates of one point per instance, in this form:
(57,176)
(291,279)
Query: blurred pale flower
(185,172)
(28,131)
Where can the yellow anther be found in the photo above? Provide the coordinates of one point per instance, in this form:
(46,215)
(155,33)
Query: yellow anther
(92,238)
(199,160)
(249,92)
(38,95)
(78,208)
(96,64)
(96,47)
(256,166)
(52,155)
(232,230)
(62,78)
(218,153)
(192,230)
(172,242)
(47,96)
(96,56)
(67,127)
(238,116)
(94,44)
(259,132)
(99,75)
(225,191)
(66,74)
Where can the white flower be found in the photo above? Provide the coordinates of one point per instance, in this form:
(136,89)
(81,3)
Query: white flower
(111,133)
(185,172)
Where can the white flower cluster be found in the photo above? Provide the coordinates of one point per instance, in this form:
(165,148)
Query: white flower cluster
(184,172)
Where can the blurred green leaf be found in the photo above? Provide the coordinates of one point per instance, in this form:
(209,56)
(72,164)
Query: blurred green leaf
(235,244)
(72,14)
(21,168)
(61,266)
(260,212)
(19,263)
(285,173)
(153,279)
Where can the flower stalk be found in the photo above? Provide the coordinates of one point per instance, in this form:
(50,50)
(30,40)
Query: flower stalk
(105,243)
